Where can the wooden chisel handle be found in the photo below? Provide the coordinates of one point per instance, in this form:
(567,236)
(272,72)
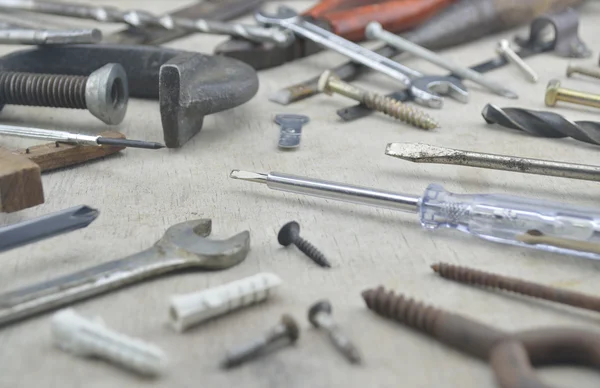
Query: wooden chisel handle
(395,16)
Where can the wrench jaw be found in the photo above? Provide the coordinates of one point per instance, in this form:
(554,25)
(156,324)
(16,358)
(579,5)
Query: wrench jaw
(283,13)
(426,98)
(446,86)
(188,241)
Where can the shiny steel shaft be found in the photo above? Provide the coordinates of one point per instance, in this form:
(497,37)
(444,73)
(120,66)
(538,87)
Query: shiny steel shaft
(140,18)
(424,153)
(375,31)
(46,37)
(332,190)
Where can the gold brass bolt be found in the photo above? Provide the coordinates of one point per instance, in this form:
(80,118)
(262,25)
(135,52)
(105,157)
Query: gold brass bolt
(329,84)
(582,70)
(555,93)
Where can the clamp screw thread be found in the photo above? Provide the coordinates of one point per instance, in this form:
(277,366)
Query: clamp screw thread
(58,91)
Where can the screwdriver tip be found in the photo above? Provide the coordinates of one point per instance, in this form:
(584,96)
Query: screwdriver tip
(248,176)
(129,143)
(416,152)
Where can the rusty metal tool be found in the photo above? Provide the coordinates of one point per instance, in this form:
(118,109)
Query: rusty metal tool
(497,218)
(214,10)
(511,355)
(346,18)
(425,153)
(141,18)
(188,85)
(478,18)
(183,246)
(543,124)
(473,277)
(43,37)
(49,225)
(565,24)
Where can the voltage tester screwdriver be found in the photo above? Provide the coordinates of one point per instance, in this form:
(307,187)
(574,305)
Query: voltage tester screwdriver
(507,219)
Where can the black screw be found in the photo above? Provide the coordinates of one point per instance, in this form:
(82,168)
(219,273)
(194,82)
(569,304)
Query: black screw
(290,234)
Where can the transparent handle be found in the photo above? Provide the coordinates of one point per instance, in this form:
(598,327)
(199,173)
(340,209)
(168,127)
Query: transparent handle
(514,220)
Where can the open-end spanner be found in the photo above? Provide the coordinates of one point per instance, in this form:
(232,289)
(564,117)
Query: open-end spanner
(423,91)
(183,245)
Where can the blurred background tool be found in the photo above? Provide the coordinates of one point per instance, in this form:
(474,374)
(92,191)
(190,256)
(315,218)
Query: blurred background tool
(20,182)
(50,225)
(43,37)
(543,124)
(346,18)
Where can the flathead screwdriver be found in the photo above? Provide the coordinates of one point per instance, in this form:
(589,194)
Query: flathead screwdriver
(498,218)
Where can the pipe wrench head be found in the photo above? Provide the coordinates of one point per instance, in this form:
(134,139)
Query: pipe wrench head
(426,90)
(283,13)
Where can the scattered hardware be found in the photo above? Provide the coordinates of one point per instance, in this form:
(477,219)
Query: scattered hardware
(20,182)
(475,277)
(564,23)
(191,309)
(555,93)
(288,18)
(82,337)
(139,18)
(188,85)
(50,225)
(290,234)
(291,129)
(287,330)
(590,72)
(184,245)
(544,124)
(497,218)
(506,51)
(319,315)
(328,83)
(44,37)
(75,138)
(425,153)
(511,355)
(375,31)
(104,93)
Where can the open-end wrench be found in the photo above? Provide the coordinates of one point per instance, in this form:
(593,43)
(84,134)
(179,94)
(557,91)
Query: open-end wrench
(183,246)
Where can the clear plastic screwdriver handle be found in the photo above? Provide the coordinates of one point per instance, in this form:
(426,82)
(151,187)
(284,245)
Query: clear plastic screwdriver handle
(514,220)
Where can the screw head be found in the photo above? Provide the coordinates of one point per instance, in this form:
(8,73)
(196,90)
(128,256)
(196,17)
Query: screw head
(323,84)
(291,327)
(552,91)
(373,30)
(107,93)
(320,306)
(502,46)
(288,233)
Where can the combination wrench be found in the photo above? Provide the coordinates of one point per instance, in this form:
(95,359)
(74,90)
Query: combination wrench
(421,88)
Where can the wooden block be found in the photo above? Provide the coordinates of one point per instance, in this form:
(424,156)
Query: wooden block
(51,156)
(20,182)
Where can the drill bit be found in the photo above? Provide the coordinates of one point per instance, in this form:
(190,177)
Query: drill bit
(75,138)
(543,124)
(140,18)
(425,153)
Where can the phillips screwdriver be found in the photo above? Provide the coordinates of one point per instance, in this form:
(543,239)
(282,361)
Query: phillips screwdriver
(75,138)
(506,219)
(425,153)
(50,225)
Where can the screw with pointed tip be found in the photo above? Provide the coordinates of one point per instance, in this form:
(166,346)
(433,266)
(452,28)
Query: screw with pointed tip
(290,234)
(286,329)
(319,315)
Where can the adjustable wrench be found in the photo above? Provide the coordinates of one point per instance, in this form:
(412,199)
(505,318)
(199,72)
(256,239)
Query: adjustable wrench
(421,88)
(183,246)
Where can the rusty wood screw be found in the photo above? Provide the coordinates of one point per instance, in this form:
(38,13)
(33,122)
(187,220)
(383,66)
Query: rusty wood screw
(485,279)
(511,355)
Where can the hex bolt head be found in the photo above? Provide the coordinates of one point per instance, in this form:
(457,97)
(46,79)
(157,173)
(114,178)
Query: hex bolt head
(320,306)
(107,93)
(288,233)
(323,84)
(552,92)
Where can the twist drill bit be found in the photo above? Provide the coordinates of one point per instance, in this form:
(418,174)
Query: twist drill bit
(329,83)
(140,18)
(542,123)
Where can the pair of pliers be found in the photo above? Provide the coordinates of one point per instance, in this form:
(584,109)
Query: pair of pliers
(347,18)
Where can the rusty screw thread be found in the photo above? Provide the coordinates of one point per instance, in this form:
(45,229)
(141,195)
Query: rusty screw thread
(402,309)
(485,279)
(59,91)
(398,110)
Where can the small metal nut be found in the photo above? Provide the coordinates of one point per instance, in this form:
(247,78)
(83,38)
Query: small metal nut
(107,93)
(552,91)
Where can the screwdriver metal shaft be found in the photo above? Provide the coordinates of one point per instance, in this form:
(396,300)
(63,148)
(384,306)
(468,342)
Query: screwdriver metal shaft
(140,18)
(425,153)
(74,138)
(47,37)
